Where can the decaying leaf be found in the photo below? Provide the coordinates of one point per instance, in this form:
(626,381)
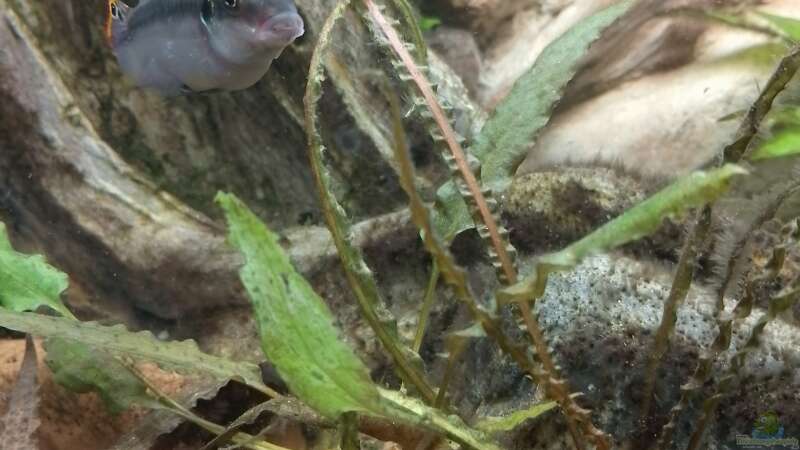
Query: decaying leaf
(21,420)
(81,368)
(182,356)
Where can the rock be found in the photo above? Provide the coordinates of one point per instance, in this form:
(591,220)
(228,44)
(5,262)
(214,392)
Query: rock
(672,88)
(601,317)
(483,17)
(548,210)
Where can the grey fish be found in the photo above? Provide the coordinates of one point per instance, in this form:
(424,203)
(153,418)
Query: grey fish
(180,46)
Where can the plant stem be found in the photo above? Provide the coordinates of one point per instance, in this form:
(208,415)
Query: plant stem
(577,418)
(784,73)
(449,135)
(684,274)
(427,305)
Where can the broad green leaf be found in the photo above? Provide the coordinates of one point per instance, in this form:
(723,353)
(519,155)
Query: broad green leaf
(783,143)
(81,368)
(510,132)
(787,25)
(182,356)
(693,190)
(297,331)
(515,419)
(27,281)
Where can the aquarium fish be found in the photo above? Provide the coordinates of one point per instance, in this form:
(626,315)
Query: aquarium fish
(180,46)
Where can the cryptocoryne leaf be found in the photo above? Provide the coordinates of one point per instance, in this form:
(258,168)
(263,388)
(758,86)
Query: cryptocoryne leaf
(359,276)
(510,132)
(81,368)
(515,419)
(790,27)
(27,281)
(297,331)
(693,190)
(299,338)
(182,356)
(414,411)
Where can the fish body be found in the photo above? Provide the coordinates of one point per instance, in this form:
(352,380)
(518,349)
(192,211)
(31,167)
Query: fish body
(179,46)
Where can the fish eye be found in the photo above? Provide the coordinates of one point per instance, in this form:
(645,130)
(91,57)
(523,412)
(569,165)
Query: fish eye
(116,12)
(232,3)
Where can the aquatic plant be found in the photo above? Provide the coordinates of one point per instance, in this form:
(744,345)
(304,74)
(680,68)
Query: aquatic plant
(297,330)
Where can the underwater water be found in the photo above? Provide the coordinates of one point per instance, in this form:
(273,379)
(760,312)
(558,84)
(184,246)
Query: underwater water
(527,225)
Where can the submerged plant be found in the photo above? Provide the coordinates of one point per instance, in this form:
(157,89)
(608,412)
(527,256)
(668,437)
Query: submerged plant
(329,385)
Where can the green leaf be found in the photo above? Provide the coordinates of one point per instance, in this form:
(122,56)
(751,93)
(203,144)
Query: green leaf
(413,411)
(693,190)
(412,29)
(362,282)
(783,143)
(428,23)
(299,338)
(297,331)
(787,25)
(451,214)
(183,356)
(81,368)
(515,419)
(27,281)
(510,132)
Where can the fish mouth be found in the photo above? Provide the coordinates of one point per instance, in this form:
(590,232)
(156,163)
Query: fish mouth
(281,29)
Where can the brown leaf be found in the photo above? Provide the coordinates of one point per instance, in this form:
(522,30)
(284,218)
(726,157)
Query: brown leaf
(21,421)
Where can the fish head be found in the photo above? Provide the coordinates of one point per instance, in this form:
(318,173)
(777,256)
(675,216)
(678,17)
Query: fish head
(116,14)
(242,31)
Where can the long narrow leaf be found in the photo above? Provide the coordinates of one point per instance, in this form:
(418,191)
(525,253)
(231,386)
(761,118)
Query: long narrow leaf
(508,134)
(359,276)
(691,191)
(414,411)
(787,25)
(515,419)
(511,131)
